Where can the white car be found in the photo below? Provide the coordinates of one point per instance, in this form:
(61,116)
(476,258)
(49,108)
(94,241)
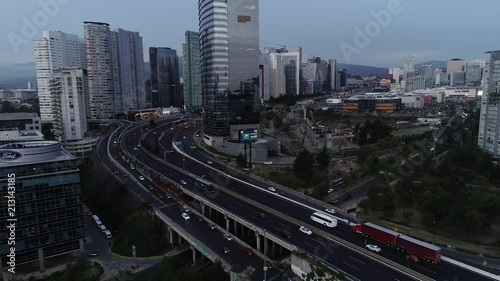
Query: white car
(141,178)
(183,182)
(271,188)
(185,216)
(135,148)
(228,236)
(373,248)
(331,211)
(305,230)
(268,163)
(331,190)
(210,162)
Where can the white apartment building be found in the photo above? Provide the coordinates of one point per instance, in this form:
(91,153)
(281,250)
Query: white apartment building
(99,64)
(489,123)
(54,50)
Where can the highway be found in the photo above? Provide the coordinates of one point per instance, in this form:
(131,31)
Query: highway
(442,271)
(212,239)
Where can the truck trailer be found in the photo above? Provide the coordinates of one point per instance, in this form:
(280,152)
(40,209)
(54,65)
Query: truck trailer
(414,248)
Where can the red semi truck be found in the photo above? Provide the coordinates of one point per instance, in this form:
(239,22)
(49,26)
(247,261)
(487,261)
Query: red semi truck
(415,249)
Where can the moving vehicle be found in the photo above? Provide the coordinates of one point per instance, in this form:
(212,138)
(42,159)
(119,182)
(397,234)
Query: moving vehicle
(228,237)
(271,188)
(210,162)
(211,226)
(247,251)
(373,248)
(225,250)
(93,254)
(151,188)
(185,216)
(285,233)
(260,215)
(107,234)
(407,244)
(305,230)
(329,210)
(141,178)
(183,182)
(204,184)
(324,219)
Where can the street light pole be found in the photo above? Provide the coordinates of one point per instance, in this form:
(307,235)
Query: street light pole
(435,148)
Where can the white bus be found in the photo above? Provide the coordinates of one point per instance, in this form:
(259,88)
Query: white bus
(324,219)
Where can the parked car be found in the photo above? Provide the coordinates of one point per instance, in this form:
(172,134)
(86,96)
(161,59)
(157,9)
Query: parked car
(107,234)
(93,254)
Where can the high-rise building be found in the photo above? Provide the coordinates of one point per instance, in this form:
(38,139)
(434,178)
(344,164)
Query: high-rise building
(285,71)
(165,83)
(49,215)
(489,122)
(429,75)
(265,76)
(456,72)
(415,83)
(192,72)
(473,72)
(99,63)
(332,73)
(315,72)
(229,31)
(54,50)
(128,70)
(409,66)
(396,74)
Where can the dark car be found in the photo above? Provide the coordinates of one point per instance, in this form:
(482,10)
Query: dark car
(247,251)
(285,233)
(151,188)
(200,219)
(225,250)
(260,215)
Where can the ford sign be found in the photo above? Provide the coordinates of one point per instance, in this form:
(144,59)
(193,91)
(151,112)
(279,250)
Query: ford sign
(9,155)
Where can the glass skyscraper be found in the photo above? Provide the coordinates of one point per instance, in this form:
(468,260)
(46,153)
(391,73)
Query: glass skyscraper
(44,181)
(229,37)
(165,83)
(192,72)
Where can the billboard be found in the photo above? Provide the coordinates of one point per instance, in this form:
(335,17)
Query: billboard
(248,135)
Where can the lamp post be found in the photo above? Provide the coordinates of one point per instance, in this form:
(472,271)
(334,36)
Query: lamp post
(238,118)
(265,265)
(434,148)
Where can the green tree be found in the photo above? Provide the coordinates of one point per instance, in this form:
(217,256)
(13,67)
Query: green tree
(303,165)
(323,158)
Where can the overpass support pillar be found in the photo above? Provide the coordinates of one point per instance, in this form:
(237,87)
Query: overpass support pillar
(235,228)
(257,236)
(203,207)
(281,251)
(210,214)
(170,235)
(273,253)
(194,254)
(227,224)
(180,239)
(266,241)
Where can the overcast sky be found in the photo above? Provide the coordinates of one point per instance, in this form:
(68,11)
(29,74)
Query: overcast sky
(428,29)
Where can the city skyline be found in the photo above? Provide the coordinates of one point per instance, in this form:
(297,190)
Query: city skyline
(322,28)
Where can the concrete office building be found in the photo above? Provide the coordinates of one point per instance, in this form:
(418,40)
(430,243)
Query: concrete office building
(415,83)
(20,121)
(99,64)
(69,89)
(456,72)
(128,70)
(285,73)
(396,74)
(192,72)
(473,72)
(489,123)
(48,201)
(165,83)
(229,31)
(54,50)
(315,74)
(332,73)
(408,66)
(265,76)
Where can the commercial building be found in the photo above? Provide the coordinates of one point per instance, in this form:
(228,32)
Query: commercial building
(315,74)
(285,73)
(332,74)
(489,123)
(473,72)
(20,121)
(45,181)
(456,72)
(415,83)
(412,100)
(54,50)
(99,64)
(192,72)
(229,36)
(18,95)
(265,77)
(165,83)
(128,70)
(396,73)
(372,104)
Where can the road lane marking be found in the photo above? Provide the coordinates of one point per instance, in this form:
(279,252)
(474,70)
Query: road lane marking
(350,265)
(231,206)
(320,242)
(314,247)
(357,260)
(237,203)
(286,226)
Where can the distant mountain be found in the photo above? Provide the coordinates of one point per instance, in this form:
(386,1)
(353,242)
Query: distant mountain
(362,70)
(17,75)
(435,64)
